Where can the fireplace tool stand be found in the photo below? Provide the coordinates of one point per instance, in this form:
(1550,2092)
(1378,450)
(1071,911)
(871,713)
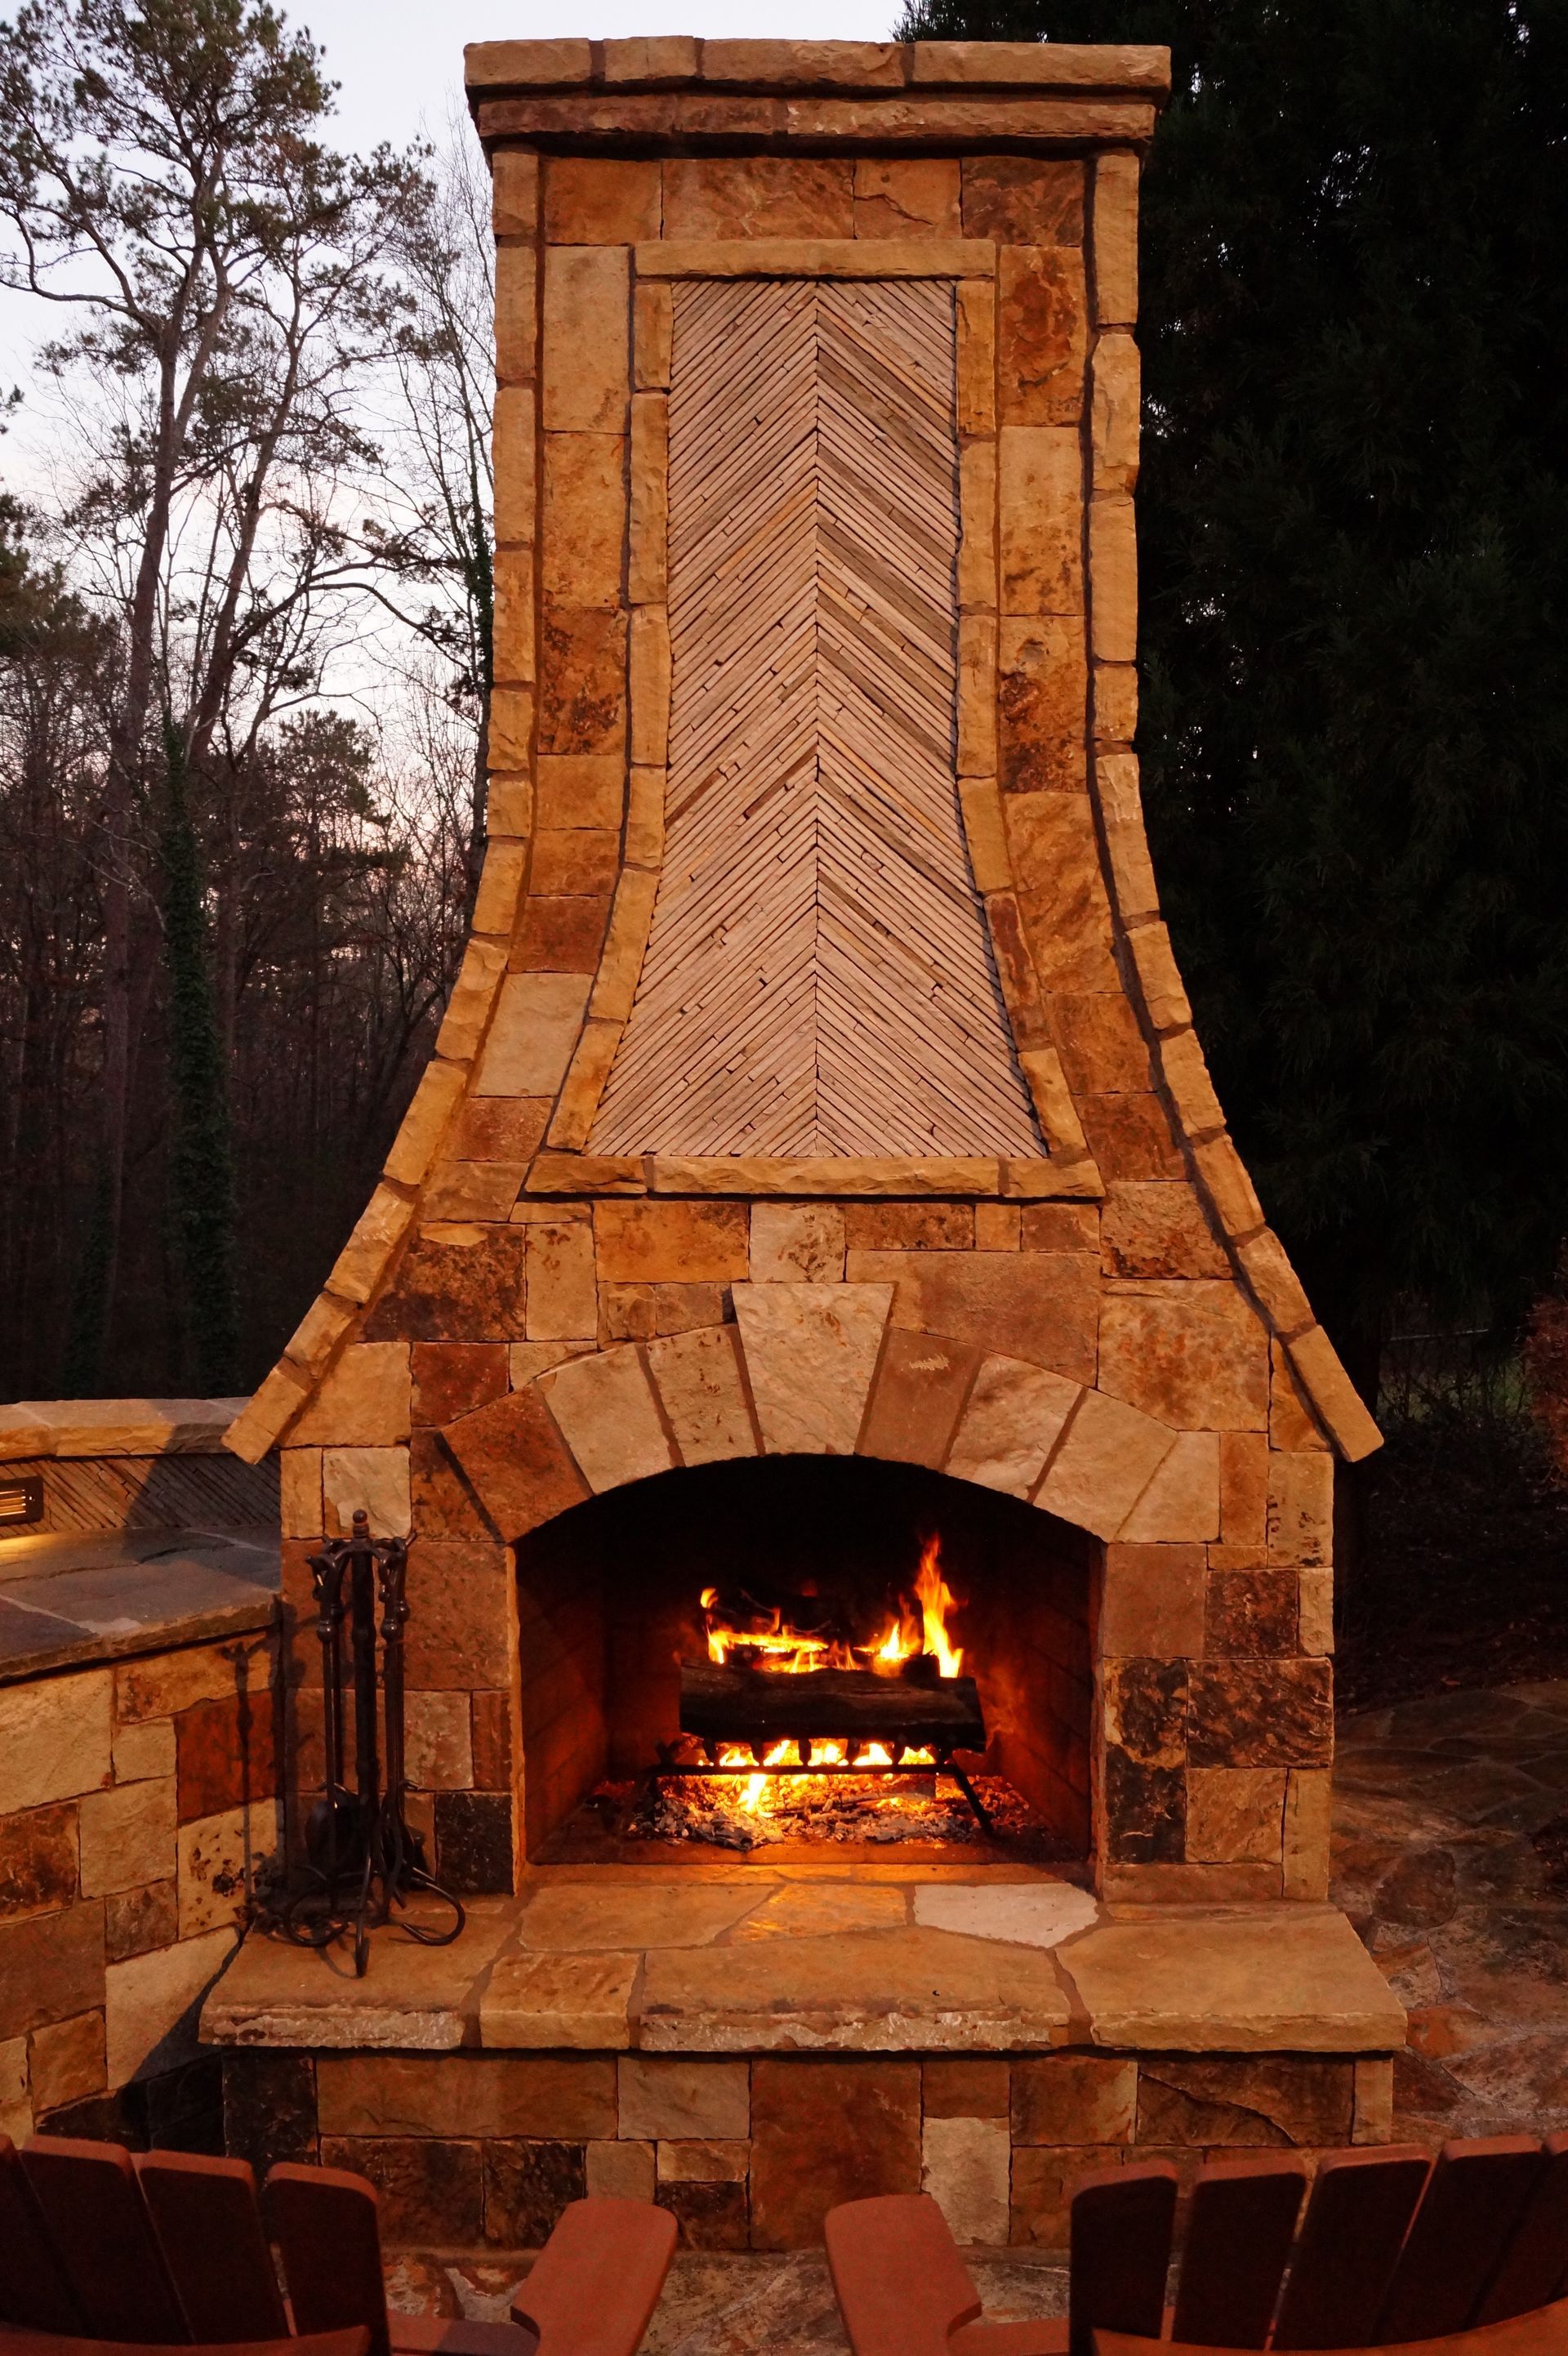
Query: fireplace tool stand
(361,1858)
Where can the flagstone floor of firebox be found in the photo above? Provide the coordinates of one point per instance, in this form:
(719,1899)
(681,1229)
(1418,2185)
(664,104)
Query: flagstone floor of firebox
(716,2303)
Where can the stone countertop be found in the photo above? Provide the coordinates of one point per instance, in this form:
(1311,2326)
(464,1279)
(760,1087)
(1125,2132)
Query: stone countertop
(100,1595)
(859,1961)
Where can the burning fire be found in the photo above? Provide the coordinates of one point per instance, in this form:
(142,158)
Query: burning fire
(918,1626)
(752,1800)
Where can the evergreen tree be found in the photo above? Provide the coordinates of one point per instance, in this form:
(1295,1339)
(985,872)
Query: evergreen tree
(1354,554)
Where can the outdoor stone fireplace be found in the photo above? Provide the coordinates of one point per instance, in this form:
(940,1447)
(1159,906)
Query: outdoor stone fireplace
(817,1139)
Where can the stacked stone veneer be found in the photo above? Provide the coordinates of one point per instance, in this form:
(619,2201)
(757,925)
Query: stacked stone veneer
(470,2150)
(1109,1328)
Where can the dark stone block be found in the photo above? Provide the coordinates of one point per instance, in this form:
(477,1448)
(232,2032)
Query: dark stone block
(1245,2100)
(473,1842)
(226,1755)
(432,2190)
(136,1921)
(527,2186)
(1145,1810)
(444,1503)
(1145,1710)
(1261,1714)
(1251,1613)
(456,1292)
(711,2216)
(823,2132)
(180,2110)
(269,2108)
(452,1377)
(37,1861)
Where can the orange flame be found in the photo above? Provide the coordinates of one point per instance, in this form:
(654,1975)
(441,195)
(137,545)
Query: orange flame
(936,1600)
(918,1626)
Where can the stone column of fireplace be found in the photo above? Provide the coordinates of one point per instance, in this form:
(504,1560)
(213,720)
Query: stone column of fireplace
(606,1245)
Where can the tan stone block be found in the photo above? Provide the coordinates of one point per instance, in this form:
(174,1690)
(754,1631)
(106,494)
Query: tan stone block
(607,1415)
(561,934)
(649,684)
(621,2171)
(1114,412)
(1042,335)
(379,1229)
(1115,240)
(127,1836)
(527,1359)
(571,2002)
(1307,1807)
(1274,1283)
(220,1858)
(647,570)
(1040,497)
(651,58)
(575,861)
(645,818)
(1059,1227)
(703,2163)
(584,517)
(163,1685)
(1127,845)
(1315,1611)
(471,1190)
(653,313)
(758,196)
(466,2094)
(989,859)
(600,200)
(581,790)
(1013,1418)
(1224,1174)
(1113,579)
(515,459)
(374,1479)
(563,1301)
(977,695)
(1234,1814)
(1106,1457)
(811,1350)
(697,1377)
(365,1401)
(66,2063)
(805,64)
(1157,1230)
(517,314)
(1333,1395)
(439,1743)
(1052,1098)
(581,1173)
(252,1432)
(1024,199)
(1158,979)
(536,64)
(1189,1352)
(473,994)
(582,695)
(146,1751)
(1074,2098)
(1243,1489)
(675,2100)
(1301,1506)
(1182,1501)
(997,1227)
(587,338)
(418,1139)
(914,196)
(1186,1076)
(516,652)
(909,1227)
(796,1243)
(1291,1422)
(1041,687)
(1115,702)
(977,512)
(1061,890)
(326,1320)
(1041,1306)
(1151,1604)
(531,1039)
(671,1243)
(513,192)
(1373,2117)
(153,2003)
(921,1385)
(976,356)
(55,1739)
(964,2170)
(615,983)
(52,1968)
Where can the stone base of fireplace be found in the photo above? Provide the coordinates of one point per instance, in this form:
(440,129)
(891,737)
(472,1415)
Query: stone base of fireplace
(750,2047)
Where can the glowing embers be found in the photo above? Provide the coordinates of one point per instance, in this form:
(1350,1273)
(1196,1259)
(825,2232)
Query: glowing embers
(792,1692)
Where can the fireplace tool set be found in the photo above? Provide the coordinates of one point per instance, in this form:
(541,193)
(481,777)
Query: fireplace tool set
(362,1860)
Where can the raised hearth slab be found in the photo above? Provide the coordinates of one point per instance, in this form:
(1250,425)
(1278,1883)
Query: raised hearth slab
(862,1962)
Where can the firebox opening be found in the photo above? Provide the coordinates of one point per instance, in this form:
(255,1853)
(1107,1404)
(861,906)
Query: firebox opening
(911,1624)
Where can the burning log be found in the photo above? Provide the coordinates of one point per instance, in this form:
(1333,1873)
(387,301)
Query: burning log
(738,1705)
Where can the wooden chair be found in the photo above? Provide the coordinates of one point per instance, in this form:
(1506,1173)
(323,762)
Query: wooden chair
(595,2284)
(1393,2249)
(51,2343)
(1541,2332)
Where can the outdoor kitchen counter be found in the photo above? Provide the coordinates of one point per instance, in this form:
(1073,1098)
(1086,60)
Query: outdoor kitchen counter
(725,1960)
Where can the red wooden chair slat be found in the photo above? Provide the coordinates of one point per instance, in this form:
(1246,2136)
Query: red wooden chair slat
(900,2281)
(1240,2222)
(324,2223)
(1543,2333)
(33,2292)
(208,2225)
(1474,2198)
(97,2221)
(595,2284)
(1119,2243)
(1362,2205)
(1534,2267)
